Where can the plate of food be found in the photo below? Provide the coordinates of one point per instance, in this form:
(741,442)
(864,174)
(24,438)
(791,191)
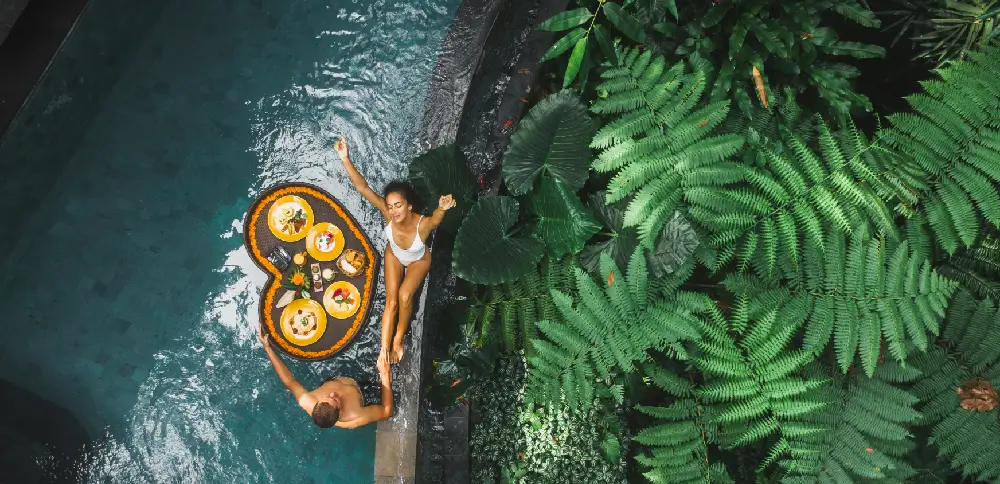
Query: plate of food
(351,263)
(325,241)
(303,322)
(290,218)
(342,299)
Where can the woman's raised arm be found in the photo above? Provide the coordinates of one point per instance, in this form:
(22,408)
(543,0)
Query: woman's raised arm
(445,203)
(360,184)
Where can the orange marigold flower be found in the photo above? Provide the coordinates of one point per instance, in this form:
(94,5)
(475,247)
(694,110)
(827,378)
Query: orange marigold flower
(298,279)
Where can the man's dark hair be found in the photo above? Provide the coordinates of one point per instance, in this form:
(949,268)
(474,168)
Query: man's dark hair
(325,415)
(405,190)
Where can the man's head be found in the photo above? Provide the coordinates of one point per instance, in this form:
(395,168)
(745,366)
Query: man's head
(326,413)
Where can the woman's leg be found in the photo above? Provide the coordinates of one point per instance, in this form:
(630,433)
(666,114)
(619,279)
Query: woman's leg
(393,271)
(415,274)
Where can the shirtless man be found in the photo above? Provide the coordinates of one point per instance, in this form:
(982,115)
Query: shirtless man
(337,402)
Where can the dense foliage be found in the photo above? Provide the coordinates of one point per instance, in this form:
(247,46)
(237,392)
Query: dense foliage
(767,293)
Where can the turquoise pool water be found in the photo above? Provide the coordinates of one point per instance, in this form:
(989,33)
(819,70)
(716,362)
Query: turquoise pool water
(128,298)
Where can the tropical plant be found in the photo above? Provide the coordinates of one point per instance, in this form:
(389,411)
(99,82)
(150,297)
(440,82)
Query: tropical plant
(490,247)
(563,445)
(953,144)
(945,30)
(680,445)
(758,46)
(545,164)
(443,171)
(752,375)
(657,140)
(589,39)
(602,337)
(964,430)
(514,308)
(516,441)
(867,296)
(768,215)
(977,268)
(866,430)
(806,303)
(676,243)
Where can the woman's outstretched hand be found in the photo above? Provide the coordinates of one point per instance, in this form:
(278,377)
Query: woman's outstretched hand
(446,202)
(341,147)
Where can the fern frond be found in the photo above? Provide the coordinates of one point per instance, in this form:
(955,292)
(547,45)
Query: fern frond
(657,136)
(864,291)
(755,381)
(602,332)
(866,422)
(964,437)
(799,197)
(954,140)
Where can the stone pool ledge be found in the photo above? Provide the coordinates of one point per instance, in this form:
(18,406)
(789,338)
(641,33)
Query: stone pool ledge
(396,439)
(488,66)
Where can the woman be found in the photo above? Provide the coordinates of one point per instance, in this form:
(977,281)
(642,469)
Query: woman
(406,259)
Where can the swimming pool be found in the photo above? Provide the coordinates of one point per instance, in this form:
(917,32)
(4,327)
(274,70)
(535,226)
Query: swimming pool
(128,298)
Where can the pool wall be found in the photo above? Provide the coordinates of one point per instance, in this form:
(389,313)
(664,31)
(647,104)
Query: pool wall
(487,69)
(400,441)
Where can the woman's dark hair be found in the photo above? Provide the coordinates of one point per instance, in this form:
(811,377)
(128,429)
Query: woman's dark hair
(405,190)
(325,415)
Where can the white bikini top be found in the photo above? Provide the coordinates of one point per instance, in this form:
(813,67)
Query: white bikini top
(416,250)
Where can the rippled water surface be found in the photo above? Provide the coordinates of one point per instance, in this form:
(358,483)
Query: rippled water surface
(132,302)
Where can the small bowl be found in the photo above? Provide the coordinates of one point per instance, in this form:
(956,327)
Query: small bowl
(353,254)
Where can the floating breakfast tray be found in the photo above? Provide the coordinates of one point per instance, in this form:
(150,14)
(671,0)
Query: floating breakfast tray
(340,326)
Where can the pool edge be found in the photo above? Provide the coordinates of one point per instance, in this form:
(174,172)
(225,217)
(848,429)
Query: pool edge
(396,439)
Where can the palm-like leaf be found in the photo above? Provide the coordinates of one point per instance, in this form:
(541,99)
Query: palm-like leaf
(957,28)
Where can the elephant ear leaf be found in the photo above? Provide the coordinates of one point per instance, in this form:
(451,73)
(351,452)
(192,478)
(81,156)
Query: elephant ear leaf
(554,138)
(487,248)
(444,171)
(622,241)
(563,222)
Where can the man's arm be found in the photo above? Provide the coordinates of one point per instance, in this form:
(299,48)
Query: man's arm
(374,413)
(293,385)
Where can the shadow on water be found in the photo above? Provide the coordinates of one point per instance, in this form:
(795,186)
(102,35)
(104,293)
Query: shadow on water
(40,441)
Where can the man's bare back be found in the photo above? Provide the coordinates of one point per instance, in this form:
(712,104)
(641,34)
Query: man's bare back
(343,390)
(337,402)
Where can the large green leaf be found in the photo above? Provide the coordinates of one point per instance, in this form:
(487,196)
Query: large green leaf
(487,250)
(553,138)
(606,44)
(624,22)
(563,222)
(619,242)
(443,171)
(566,20)
(575,60)
(675,246)
(563,44)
